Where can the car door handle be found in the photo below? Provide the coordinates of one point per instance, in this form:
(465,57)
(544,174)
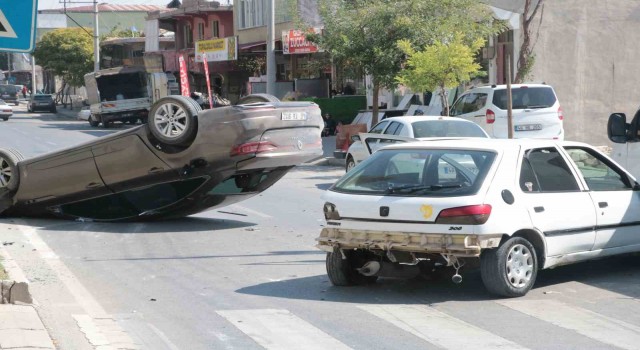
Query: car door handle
(538,209)
(94,185)
(155,170)
(603,204)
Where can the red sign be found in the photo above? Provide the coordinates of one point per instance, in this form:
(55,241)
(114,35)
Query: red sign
(206,74)
(295,42)
(184,79)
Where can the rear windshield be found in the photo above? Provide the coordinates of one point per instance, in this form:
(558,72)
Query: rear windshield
(525,97)
(446,128)
(8,89)
(424,173)
(42,97)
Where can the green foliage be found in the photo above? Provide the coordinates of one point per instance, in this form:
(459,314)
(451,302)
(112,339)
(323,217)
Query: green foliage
(253,65)
(68,52)
(119,33)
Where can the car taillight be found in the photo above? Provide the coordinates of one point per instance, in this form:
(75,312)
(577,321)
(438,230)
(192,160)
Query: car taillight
(491,117)
(560,114)
(253,147)
(468,215)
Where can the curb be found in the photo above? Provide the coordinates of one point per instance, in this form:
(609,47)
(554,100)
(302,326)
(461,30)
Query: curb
(325,161)
(15,291)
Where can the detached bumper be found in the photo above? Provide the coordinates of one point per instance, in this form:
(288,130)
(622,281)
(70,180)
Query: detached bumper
(461,245)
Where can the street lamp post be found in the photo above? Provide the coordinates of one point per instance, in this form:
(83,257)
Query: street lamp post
(271,54)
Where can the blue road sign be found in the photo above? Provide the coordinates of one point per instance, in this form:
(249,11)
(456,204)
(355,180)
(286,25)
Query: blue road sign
(18,25)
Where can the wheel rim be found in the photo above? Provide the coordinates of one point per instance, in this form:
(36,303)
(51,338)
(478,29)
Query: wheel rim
(350,165)
(519,266)
(171,120)
(5,173)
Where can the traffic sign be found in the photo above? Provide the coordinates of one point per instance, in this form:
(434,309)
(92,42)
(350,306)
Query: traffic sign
(18,25)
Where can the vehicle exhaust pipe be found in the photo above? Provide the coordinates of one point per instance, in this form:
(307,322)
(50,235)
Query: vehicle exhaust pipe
(457,279)
(387,269)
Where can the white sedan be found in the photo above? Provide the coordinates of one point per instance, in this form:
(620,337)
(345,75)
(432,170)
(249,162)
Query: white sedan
(409,128)
(511,206)
(5,110)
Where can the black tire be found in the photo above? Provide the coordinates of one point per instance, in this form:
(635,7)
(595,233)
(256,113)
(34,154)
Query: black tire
(349,164)
(9,176)
(94,123)
(6,119)
(342,272)
(498,274)
(106,123)
(257,98)
(170,111)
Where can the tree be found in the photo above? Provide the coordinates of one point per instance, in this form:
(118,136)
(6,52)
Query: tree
(526,58)
(441,65)
(364,34)
(68,53)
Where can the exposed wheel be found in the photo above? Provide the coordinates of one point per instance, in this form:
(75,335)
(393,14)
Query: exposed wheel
(173,120)
(342,272)
(257,98)
(9,177)
(105,123)
(93,121)
(511,269)
(350,164)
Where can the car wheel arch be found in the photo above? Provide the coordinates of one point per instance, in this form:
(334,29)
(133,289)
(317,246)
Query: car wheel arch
(536,238)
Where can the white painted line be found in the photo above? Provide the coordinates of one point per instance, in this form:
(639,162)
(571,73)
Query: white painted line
(163,337)
(251,211)
(439,328)
(588,323)
(280,329)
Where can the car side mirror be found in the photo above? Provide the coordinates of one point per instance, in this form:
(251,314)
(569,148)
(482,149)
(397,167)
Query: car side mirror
(617,127)
(355,138)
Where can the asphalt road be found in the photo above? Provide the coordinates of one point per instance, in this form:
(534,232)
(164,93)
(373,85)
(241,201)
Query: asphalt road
(248,277)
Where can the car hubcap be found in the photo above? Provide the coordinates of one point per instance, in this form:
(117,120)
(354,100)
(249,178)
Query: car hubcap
(5,173)
(519,265)
(171,120)
(350,165)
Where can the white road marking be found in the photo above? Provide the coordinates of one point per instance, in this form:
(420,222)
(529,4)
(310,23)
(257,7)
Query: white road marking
(163,336)
(280,329)
(251,211)
(439,328)
(588,323)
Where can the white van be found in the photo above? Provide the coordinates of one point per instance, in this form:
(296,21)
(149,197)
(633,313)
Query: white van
(536,110)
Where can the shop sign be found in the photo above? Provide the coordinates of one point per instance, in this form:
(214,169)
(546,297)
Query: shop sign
(217,50)
(295,42)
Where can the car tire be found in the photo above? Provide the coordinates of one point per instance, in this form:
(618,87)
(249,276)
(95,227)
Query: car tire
(350,164)
(94,123)
(105,123)
(9,176)
(257,98)
(168,112)
(511,269)
(6,119)
(342,272)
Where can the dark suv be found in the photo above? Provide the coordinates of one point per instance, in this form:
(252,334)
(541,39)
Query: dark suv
(10,93)
(44,102)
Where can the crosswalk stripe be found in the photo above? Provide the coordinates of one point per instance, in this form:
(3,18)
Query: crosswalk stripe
(439,328)
(588,323)
(280,329)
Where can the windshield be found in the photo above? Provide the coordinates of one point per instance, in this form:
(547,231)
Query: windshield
(446,128)
(423,172)
(525,98)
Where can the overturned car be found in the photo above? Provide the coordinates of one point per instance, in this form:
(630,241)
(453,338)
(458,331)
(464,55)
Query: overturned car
(184,161)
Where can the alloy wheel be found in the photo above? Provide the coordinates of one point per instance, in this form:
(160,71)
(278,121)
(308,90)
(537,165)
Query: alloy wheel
(5,172)
(171,120)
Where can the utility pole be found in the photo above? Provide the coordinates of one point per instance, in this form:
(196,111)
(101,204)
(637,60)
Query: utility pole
(271,53)
(96,38)
(34,85)
(509,101)
(10,67)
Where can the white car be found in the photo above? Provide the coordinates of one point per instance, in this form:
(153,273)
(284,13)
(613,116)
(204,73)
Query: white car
(511,206)
(535,109)
(5,111)
(409,128)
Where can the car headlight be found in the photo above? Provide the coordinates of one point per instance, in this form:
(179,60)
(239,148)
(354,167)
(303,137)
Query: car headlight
(330,212)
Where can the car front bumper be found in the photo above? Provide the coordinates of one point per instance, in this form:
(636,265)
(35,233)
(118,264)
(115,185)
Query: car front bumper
(461,245)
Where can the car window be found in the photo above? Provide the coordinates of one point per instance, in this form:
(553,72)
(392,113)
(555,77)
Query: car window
(379,127)
(598,175)
(401,131)
(425,172)
(446,128)
(474,102)
(391,130)
(456,109)
(548,172)
(525,97)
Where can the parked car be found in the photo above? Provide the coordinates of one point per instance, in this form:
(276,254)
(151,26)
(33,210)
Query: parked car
(10,93)
(536,110)
(5,110)
(403,129)
(183,161)
(511,206)
(41,102)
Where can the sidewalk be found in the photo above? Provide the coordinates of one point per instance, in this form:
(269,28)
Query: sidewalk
(21,328)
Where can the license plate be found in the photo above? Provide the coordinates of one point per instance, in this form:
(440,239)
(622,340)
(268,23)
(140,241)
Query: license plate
(294,115)
(528,127)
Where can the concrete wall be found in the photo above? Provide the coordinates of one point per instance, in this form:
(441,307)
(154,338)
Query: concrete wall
(589,52)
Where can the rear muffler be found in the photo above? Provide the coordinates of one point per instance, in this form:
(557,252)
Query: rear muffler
(387,269)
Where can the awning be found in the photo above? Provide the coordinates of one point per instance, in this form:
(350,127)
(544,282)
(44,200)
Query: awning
(250,45)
